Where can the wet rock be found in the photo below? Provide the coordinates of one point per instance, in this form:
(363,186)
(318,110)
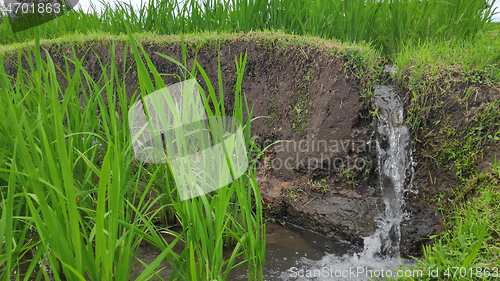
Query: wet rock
(422,223)
(343,218)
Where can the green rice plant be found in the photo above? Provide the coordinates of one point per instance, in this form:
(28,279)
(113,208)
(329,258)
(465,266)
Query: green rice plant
(387,25)
(471,238)
(70,196)
(75,21)
(209,219)
(44,171)
(84,229)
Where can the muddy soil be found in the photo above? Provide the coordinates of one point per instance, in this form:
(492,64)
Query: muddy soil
(321,175)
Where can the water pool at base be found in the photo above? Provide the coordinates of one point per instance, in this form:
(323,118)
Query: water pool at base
(296,254)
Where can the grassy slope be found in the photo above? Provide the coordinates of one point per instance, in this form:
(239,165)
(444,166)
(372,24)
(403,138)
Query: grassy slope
(200,40)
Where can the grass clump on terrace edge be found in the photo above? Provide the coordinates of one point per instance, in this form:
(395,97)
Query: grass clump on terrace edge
(443,80)
(477,61)
(386,24)
(76,173)
(197,41)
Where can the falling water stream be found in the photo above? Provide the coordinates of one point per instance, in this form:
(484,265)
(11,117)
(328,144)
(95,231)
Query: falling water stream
(382,249)
(393,162)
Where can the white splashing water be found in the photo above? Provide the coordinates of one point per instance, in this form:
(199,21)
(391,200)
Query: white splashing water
(394,159)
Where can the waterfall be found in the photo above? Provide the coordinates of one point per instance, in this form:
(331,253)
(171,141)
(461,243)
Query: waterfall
(394,160)
(395,167)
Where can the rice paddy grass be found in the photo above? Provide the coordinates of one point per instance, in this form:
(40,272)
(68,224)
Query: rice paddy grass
(72,196)
(386,25)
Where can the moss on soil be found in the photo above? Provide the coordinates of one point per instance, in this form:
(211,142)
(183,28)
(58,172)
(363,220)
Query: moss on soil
(275,110)
(301,111)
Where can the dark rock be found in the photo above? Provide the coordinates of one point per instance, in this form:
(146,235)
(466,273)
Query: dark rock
(338,217)
(422,223)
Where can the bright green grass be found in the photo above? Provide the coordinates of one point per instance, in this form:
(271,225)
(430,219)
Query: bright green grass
(477,61)
(67,173)
(387,25)
(494,30)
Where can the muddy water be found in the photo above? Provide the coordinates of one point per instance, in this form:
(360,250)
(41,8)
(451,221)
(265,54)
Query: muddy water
(294,254)
(286,247)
